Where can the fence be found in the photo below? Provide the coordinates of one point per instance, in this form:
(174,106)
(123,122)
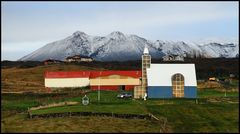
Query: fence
(69,114)
(53,105)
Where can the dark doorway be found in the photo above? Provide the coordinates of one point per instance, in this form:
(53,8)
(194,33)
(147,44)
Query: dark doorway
(122,88)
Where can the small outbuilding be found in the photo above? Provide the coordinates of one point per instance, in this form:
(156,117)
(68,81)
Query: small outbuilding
(212,79)
(51,61)
(79,58)
(173,58)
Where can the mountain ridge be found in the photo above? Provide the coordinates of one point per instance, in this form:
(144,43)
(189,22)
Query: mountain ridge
(118,46)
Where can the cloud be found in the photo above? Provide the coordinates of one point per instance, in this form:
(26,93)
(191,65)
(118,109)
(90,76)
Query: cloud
(105,18)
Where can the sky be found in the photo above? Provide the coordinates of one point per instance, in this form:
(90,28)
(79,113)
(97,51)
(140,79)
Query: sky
(27,26)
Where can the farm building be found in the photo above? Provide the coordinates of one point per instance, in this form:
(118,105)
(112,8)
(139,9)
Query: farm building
(212,78)
(173,58)
(114,80)
(171,80)
(104,80)
(51,61)
(78,58)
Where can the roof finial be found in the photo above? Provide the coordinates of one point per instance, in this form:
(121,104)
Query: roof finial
(145,50)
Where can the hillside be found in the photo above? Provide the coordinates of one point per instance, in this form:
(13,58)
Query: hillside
(29,76)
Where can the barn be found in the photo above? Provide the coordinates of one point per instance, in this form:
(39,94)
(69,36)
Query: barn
(103,80)
(171,81)
(114,80)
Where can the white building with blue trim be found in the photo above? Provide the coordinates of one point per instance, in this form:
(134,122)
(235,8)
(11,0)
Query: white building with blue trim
(171,81)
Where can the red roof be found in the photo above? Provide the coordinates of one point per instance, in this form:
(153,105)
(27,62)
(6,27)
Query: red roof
(135,74)
(78,74)
(91,74)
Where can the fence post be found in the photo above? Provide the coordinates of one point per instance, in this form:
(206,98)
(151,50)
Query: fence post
(30,115)
(196,101)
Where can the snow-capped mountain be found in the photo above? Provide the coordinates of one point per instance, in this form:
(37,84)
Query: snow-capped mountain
(121,47)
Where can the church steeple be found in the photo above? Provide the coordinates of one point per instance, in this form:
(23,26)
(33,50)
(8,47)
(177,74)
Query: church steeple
(141,91)
(145,51)
(146,62)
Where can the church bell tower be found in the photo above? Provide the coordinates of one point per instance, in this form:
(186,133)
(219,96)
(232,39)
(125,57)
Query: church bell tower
(146,62)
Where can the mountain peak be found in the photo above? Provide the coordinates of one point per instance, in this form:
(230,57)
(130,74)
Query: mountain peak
(79,33)
(117,35)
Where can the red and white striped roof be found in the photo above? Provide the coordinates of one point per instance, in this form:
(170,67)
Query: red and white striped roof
(91,74)
(134,74)
(76,74)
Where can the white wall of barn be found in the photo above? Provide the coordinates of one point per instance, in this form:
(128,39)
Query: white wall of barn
(112,82)
(66,82)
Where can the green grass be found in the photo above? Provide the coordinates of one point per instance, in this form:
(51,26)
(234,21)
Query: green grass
(21,102)
(183,115)
(86,124)
(235,83)
(109,103)
(102,108)
(199,118)
(17,102)
(203,93)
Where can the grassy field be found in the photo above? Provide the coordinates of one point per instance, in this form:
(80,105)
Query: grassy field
(15,121)
(182,115)
(200,118)
(211,92)
(211,112)
(107,104)
(87,124)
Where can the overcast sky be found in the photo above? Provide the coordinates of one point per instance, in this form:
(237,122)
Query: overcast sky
(27,26)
